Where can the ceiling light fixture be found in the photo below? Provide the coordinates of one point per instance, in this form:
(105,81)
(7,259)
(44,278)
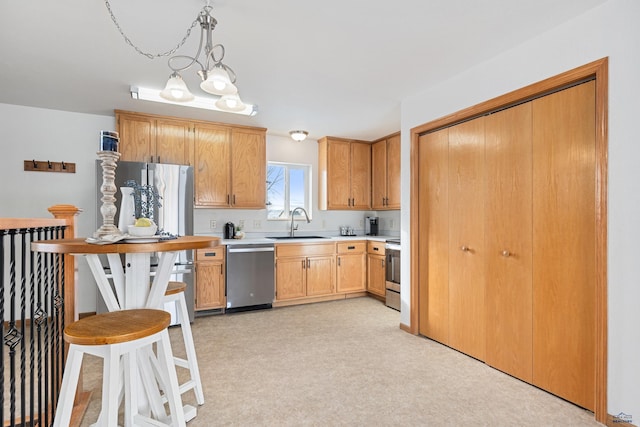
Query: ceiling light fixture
(216,77)
(299,135)
(147,94)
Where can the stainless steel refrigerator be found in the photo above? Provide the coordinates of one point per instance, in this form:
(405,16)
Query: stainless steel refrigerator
(174,184)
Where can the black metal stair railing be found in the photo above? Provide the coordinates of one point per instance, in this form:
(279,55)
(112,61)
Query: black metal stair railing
(32,310)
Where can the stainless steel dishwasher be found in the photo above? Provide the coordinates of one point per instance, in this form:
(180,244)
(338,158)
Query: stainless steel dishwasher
(250,276)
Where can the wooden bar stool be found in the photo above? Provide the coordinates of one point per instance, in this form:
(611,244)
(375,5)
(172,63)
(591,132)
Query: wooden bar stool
(175,293)
(110,336)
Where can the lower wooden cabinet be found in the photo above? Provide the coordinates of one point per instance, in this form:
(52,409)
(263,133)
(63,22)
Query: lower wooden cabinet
(351,266)
(210,278)
(376,268)
(305,270)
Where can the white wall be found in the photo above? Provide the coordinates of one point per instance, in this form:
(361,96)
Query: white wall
(609,30)
(40,134)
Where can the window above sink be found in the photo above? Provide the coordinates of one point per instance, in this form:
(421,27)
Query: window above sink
(288,187)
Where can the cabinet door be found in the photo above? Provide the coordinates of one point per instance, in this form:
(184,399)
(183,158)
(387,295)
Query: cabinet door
(433,229)
(210,283)
(291,278)
(173,142)
(360,176)
(248,169)
(351,272)
(320,275)
(564,178)
(211,174)
(393,172)
(508,241)
(379,175)
(466,238)
(137,137)
(338,174)
(376,279)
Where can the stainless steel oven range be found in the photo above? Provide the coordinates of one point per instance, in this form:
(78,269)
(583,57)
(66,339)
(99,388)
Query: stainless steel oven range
(392,251)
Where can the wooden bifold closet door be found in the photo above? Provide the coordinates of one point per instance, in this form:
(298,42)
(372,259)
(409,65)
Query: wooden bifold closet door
(506,229)
(564,243)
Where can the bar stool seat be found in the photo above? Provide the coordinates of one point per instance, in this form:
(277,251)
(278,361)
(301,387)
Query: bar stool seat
(110,336)
(175,293)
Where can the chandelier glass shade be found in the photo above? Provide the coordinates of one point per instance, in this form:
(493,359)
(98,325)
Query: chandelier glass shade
(176,90)
(231,103)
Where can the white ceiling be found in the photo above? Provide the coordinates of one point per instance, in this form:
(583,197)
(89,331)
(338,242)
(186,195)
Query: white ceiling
(332,67)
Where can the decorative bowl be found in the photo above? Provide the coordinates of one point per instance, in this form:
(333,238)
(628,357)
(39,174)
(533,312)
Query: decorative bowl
(143,231)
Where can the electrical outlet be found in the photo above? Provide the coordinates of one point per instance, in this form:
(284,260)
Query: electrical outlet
(212,224)
(257,224)
(392,224)
(324,224)
(362,223)
(241,223)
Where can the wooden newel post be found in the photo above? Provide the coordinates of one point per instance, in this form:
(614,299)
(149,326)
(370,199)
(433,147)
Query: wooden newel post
(69,214)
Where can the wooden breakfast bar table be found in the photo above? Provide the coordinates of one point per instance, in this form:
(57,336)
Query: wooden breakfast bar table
(131,281)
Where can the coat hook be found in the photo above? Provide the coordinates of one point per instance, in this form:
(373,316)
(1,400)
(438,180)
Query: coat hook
(35,164)
(49,164)
(64,166)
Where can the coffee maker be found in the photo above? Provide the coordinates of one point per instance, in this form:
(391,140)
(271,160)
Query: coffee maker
(229,230)
(371,225)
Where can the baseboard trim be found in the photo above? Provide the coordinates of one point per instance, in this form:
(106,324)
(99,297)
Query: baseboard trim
(406,328)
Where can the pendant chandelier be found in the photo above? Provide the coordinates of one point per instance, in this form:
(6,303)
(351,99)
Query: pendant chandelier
(216,77)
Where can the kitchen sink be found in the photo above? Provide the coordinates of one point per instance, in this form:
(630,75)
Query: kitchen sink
(296,237)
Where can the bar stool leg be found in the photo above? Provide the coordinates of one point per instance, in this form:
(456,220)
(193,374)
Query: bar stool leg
(191,361)
(173,390)
(111,386)
(68,388)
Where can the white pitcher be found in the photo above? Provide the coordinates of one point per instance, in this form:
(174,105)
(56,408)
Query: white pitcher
(127,210)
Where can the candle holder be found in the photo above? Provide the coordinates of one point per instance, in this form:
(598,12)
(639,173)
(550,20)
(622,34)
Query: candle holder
(108,189)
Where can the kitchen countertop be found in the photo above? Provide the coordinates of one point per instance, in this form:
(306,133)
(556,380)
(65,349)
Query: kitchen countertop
(259,240)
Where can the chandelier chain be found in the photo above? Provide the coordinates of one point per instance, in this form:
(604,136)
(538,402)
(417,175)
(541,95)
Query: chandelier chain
(140,51)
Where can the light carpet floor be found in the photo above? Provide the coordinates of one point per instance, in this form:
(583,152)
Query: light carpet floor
(347,363)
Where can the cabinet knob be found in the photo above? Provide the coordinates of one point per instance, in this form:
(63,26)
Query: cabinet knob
(506,253)
(464,248)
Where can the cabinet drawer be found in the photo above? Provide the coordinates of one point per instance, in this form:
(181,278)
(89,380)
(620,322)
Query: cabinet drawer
(308,249)
(210,254)
(351,247)
(376,248)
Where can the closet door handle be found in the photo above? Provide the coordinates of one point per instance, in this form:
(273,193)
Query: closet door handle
(505,253)
(464,248)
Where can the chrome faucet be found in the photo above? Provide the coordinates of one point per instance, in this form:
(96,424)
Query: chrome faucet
(293,215)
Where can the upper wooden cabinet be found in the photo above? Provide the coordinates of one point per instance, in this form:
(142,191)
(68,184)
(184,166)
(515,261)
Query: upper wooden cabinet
(230,167)
(147,138)
(385,173)
(229,161)
(344,174)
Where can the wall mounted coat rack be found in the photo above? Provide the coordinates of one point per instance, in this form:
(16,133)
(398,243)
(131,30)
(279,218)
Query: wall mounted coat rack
(47,166)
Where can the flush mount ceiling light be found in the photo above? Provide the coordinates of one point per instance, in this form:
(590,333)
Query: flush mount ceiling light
(216,77)
(299,135)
